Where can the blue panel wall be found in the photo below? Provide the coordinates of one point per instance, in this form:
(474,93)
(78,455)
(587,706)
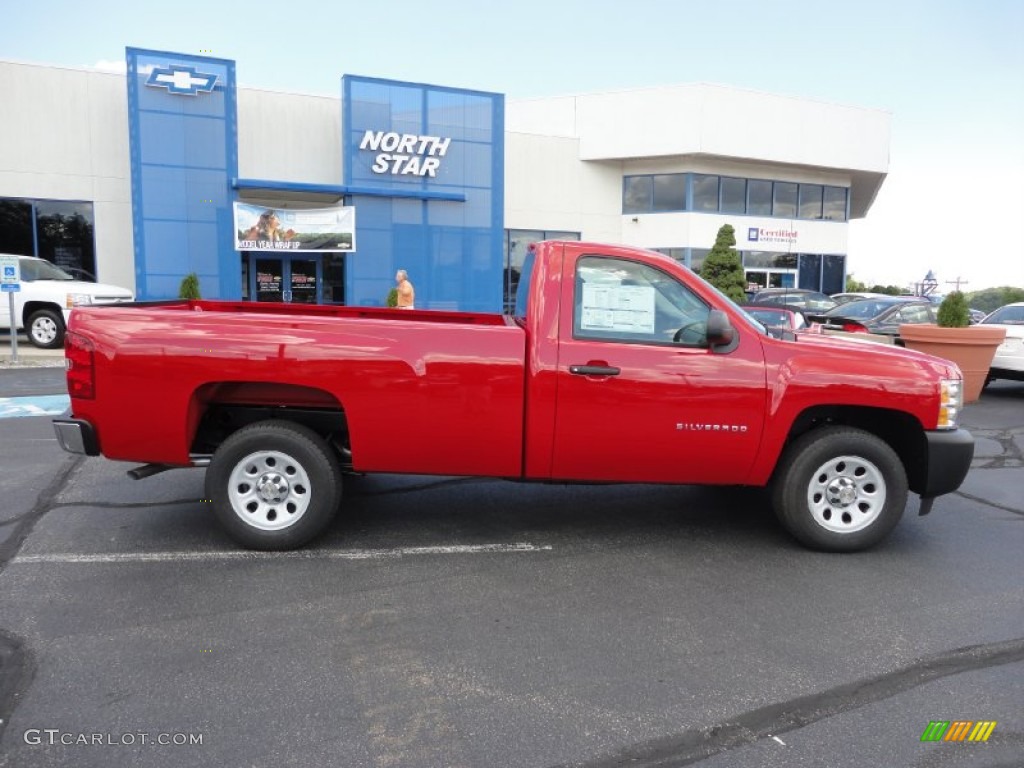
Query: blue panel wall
(182,128)
(453,251)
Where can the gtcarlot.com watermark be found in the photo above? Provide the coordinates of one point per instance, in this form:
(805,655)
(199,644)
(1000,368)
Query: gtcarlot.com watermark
(55,736)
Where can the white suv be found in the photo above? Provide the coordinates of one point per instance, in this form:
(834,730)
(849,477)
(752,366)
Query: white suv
(46,298)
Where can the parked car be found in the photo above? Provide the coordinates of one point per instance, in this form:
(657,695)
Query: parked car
(47,296)
(976,315)
(844,298)
(786,318)
(800,298)
(1008,362)
(882,316)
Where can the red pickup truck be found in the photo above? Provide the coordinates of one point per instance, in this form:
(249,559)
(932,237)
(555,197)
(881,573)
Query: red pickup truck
(619,365)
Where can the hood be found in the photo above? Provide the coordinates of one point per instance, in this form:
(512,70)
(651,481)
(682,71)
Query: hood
(93,289)
(852,351)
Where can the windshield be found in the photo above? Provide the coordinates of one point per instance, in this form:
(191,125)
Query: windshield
(37,269)
(752,321)
(1007,316)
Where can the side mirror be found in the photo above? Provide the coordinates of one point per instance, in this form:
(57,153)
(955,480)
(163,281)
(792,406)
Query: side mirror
(720,330)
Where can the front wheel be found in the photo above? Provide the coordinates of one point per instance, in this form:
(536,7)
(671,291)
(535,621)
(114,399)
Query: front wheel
(274,485)
(839,489)
(46,328)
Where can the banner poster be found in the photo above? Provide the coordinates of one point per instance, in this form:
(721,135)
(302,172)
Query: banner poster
(307,230)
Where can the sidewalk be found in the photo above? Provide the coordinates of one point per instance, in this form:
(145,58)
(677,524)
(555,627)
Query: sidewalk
(28,355)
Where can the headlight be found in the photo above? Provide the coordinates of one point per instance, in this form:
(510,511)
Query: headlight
(78,300)
(951,401)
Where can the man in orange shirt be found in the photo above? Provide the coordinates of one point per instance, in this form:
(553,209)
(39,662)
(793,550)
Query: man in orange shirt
(406,293)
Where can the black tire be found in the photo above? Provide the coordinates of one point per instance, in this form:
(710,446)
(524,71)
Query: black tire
(274,485)
(45,329)
(839,489)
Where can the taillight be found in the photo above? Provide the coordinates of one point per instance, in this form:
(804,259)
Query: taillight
(78,360)
(854,328)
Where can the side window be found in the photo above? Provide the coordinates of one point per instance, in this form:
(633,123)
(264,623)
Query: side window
(915,314)
(618,300)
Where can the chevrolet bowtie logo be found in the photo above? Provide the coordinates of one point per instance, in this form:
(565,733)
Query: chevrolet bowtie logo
(181,80)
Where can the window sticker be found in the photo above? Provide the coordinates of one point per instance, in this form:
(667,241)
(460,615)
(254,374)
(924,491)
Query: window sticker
(613,307)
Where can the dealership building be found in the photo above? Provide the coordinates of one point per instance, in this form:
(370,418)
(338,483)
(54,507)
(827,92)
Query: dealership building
(144,177)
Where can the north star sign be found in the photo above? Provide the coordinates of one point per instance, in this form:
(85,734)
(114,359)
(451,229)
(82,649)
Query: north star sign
(405,154)
(181,80)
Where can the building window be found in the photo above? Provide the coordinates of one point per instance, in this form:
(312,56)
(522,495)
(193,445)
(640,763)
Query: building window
(768,260)
(679,254)
(59,231)
(834,208)
(734,195)
(697,256)
(784,200)
(16,224)
(666,192)
(669,192)
(759,197)
(705,193)
(810,201)
(517,244)
(637,194)
(65,235)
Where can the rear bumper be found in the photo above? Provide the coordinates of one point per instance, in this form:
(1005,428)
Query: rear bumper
(949,459)
(76,436)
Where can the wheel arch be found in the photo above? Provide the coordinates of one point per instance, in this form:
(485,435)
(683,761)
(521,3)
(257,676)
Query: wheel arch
(33,306)
(216,410)
(903,432)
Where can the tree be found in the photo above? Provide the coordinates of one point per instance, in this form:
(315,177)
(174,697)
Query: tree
(992,299)
(891,290)
(723,268)
(189,287)
(855,286)
(392,298)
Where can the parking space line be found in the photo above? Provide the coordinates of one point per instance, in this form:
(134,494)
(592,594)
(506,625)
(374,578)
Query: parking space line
(34,405)
(350,554)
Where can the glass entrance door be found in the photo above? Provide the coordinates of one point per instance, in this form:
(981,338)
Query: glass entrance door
(269,279)
(302,281)
(283,279)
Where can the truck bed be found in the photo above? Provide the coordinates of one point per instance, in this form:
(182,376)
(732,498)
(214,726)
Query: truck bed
(422,391)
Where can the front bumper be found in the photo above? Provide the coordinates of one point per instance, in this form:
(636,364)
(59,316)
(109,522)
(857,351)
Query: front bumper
(948,461)
(76,436)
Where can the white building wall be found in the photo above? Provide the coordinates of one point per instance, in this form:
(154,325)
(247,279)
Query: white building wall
(547,187)
(289,137)
(71,143)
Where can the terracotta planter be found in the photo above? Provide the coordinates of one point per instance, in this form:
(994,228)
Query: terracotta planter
(971,348)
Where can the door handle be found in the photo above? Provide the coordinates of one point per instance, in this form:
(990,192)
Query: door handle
(594,370)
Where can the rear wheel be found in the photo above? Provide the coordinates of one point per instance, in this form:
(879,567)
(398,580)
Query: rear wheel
(839,489)
(46,328)
(274,485)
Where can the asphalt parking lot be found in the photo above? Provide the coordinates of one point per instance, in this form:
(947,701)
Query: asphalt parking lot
(461,622)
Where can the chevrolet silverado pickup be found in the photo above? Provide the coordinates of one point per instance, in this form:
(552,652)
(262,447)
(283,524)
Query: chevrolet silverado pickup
(618,365)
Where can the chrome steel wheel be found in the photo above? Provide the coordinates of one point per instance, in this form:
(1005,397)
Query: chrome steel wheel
(44,330)
(269,490)
(846,494)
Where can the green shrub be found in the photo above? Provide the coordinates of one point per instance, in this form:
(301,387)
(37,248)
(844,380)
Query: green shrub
(189,287)
(722,266)
(953,311)
(392,299)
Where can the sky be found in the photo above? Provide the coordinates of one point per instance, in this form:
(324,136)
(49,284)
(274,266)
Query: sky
(950,72)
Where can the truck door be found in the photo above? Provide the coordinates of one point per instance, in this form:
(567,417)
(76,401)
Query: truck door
(640,396)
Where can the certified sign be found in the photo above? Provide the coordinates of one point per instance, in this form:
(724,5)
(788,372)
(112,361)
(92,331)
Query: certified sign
(10,274)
